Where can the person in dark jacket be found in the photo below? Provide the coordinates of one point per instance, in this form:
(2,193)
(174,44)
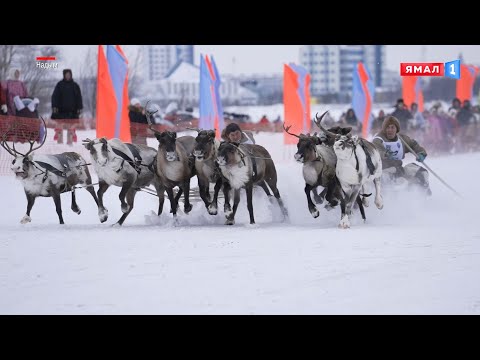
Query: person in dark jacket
(136,112)
(402,114)
(66,98)
(138,121)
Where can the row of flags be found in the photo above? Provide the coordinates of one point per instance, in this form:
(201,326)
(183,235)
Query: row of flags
(296,95)
(113,100)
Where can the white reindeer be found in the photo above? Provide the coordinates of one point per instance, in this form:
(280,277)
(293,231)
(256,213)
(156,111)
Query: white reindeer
(358,162)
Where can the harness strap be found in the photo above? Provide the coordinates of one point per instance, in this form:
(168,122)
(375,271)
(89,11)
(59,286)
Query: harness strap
(370,165)
(126,158)
(52,169)
(254,169)
(135,152)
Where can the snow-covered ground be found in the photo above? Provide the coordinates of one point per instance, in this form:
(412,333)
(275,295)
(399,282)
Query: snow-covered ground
(416,256)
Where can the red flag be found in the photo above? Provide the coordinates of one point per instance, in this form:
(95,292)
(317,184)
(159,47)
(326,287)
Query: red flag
(466,81)
(296,100)
(106,101)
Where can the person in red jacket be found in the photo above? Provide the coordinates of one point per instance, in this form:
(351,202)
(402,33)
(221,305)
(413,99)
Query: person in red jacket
(13,87)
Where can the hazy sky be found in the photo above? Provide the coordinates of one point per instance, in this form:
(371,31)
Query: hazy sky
(238,59)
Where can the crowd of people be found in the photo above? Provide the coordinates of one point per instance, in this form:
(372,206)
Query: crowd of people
(443,130)
(456,129)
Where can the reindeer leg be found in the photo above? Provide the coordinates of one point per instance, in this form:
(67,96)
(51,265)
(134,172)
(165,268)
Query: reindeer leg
(378,195)
(236,200)
(173,202)
(91,190)
(125,188)
(58,207)
(362,209)
(130,200)
(177,198)
(249,189)
(213,207)
(272,182)
(311,206)
(102,210)
(319,198)
(227,209)
(202,189)
(75,207)
(186,189)
(30,202)
(264,186)
(161,196)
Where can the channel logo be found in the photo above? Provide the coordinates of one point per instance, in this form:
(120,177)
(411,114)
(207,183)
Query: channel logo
(449,69)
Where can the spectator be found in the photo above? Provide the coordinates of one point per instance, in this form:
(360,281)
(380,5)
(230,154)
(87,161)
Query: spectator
(66,98)
(13,87)
(264,120)
(378,122)
(455,108)
(402,114)
(138,121)
(418,121)
(136,112)
(350,119)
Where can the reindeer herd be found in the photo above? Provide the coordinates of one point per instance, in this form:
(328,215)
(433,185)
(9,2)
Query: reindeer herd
(335,160)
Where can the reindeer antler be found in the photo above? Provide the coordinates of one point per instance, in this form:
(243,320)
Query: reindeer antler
(288,128)
(31,142)
(318,122)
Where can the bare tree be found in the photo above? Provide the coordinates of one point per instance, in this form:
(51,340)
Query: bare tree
(7,54)
(87,80)
(32,75)
(24,57)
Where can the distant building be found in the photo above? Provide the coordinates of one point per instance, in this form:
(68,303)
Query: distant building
(160,59)
(269,88)
(182,84)
(331,66)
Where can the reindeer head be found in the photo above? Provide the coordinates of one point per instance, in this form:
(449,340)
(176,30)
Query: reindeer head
(306,146)
(229,154)
(21,163)
(100,150)
(167,144)
(167,140)
(204,145)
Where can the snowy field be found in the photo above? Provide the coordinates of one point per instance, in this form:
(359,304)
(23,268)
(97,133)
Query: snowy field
(416,256)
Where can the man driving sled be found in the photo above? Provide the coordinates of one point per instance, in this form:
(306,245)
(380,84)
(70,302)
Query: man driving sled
(392,151)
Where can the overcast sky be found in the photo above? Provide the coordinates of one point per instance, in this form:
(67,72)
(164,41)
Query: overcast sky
(245,59)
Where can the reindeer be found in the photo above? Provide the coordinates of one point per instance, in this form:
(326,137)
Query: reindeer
(174,166)
(358,161)
(244,166)
(205,152)
(124,165)
(207,171)
(49,175)
(319,163)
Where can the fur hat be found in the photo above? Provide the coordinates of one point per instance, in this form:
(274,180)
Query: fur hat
(11,73)
(391,120)
(134,102)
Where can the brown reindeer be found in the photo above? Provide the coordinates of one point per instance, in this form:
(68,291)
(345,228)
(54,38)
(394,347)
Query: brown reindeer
(245,165)
(174,166)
